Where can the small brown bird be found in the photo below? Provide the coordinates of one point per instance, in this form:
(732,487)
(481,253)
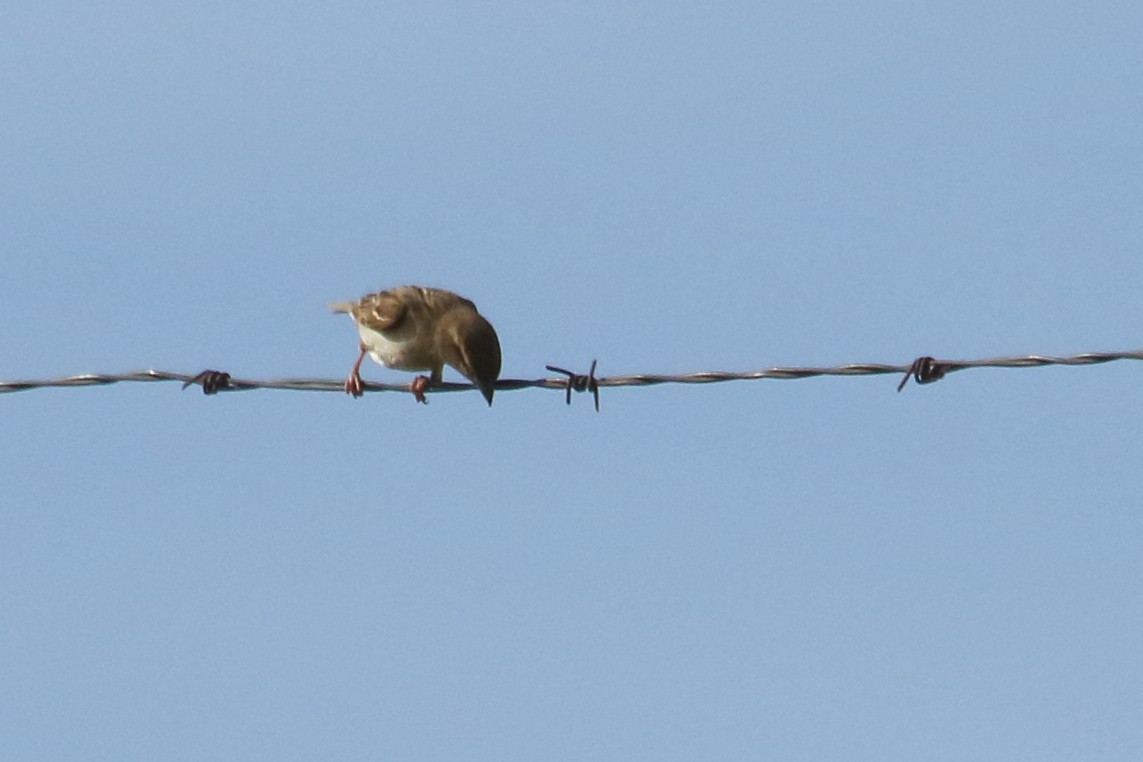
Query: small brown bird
(419,328)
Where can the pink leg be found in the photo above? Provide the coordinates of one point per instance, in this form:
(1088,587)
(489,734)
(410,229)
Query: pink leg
(419,385)
(353,383)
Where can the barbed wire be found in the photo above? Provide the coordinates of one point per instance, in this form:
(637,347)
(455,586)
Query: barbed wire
(923,370)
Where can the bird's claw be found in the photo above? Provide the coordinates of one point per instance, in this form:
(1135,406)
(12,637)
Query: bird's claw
(419,386)
(353,385)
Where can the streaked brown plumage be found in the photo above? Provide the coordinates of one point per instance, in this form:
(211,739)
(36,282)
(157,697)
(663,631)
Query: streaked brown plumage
(417,328)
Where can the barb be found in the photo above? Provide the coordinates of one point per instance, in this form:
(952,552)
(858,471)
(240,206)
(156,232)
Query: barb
(579,383)
(214,380)
(923,370)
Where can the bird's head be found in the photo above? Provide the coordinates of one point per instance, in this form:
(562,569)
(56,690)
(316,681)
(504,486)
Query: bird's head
(476,351)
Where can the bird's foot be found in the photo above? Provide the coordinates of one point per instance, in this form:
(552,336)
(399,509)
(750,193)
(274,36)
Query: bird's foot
(353,385)
(419,386)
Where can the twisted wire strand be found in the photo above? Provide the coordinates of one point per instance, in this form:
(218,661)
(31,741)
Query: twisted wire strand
(924,370)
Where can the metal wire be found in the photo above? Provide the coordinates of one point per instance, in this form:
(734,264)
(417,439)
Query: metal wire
(923,370)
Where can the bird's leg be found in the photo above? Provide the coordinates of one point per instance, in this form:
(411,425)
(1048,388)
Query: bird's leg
(353,383)
(421,384)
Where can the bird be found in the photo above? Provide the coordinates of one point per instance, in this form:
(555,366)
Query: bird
(418,328)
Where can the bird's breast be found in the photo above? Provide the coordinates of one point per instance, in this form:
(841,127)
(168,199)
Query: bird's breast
(403,353)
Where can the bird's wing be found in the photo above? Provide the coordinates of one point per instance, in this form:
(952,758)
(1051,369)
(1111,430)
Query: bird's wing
(382,311)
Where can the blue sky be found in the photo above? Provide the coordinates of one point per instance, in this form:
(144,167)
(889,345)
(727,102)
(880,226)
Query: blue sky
(817,569)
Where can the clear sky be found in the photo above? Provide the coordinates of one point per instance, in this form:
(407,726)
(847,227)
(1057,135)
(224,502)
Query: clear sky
(788,570)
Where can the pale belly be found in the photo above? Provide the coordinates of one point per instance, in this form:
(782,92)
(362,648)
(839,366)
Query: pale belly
(398,354)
